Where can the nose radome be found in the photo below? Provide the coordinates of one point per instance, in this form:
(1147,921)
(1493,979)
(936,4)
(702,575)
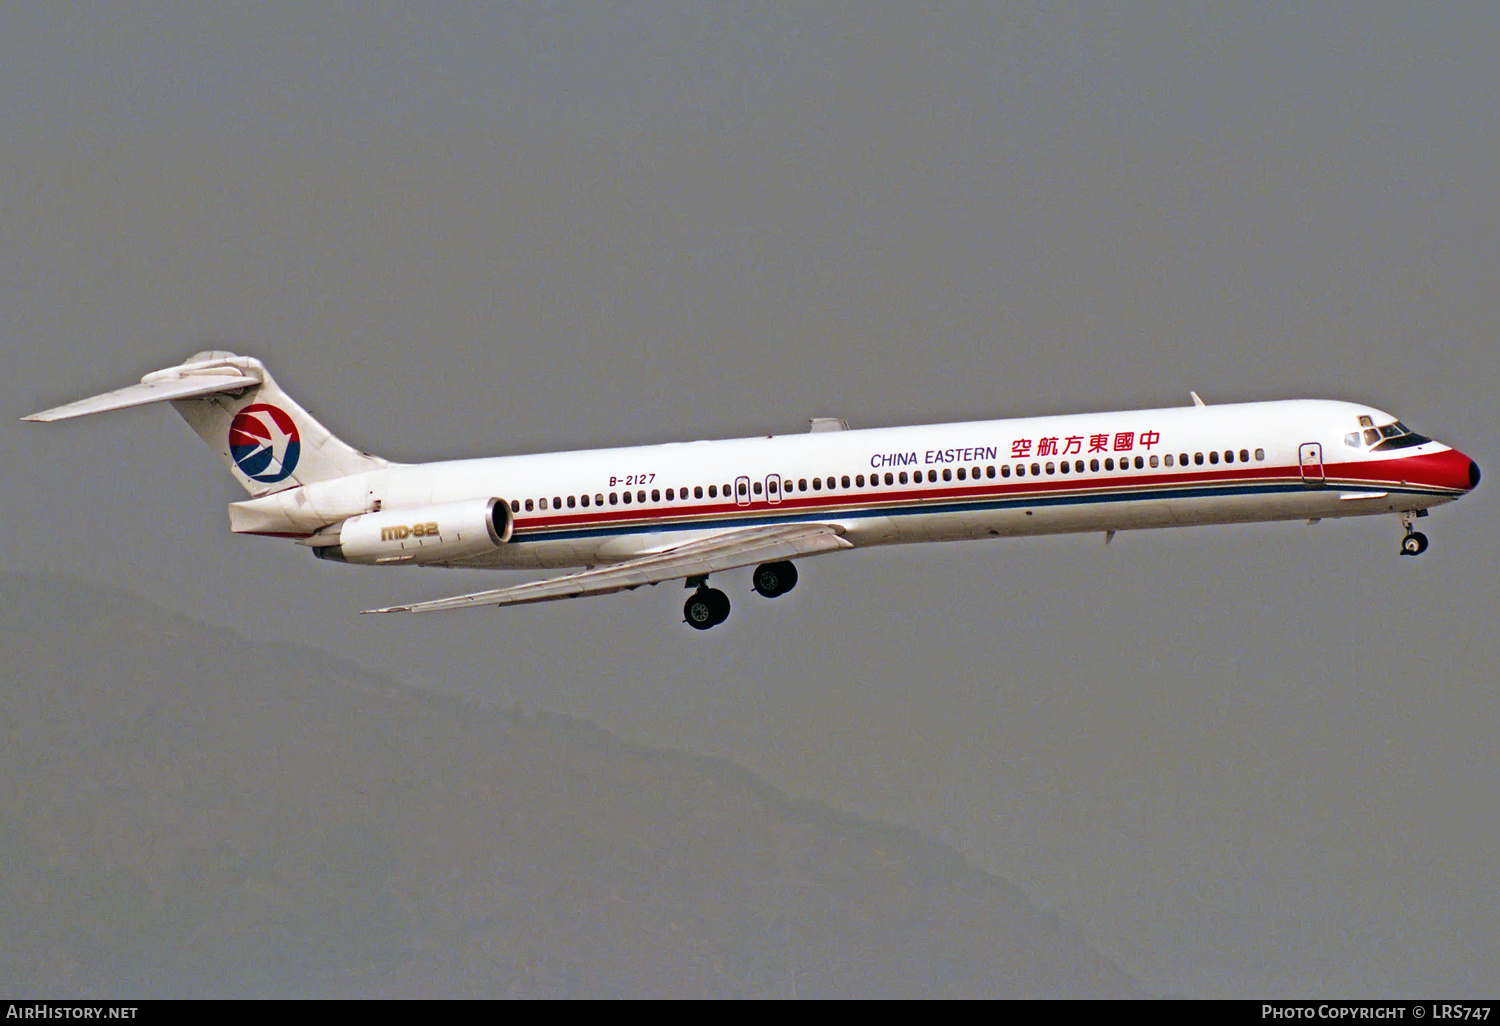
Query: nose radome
(1473,474)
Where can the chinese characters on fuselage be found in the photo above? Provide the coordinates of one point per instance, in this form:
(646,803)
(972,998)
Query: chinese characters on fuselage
(1067,445)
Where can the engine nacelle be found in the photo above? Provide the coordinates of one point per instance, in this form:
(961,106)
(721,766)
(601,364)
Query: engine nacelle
(444,533)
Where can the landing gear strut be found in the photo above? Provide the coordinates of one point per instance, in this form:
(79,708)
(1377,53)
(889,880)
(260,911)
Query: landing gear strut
(1415,542)
(706,608)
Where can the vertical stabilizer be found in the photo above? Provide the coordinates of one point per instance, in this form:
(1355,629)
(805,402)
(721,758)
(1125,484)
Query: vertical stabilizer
(267,440)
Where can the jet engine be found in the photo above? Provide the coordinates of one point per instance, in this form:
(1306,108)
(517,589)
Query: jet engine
(448,532)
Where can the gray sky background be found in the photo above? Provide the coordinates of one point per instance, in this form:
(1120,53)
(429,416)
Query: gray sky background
(1245,761)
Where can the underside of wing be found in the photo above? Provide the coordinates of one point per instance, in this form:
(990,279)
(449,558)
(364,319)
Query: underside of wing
(724,551)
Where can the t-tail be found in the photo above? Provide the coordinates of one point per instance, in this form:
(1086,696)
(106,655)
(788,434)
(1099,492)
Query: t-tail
(267,440)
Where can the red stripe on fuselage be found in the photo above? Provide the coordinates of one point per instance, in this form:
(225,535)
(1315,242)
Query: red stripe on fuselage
(1448,471)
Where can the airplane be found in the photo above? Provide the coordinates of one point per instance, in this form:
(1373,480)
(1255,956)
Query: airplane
(686,510)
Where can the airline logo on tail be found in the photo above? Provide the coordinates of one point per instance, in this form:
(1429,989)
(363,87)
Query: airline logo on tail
(264,443)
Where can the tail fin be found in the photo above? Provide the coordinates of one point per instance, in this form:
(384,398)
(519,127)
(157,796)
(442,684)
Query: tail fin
(268,441)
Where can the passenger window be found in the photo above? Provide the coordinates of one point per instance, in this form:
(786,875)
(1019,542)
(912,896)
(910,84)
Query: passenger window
(656,494)
(1139,463)
(859,480)
(1050,468)
(1109,463)
(1153,460)
(1004,470)
(557,502)
(832,484)
(1169,459)
(530,505)
(743,491)
(961,474)
(614,498)
(902,477)
(697,491)
(1213,457)
(1183,459)
(641,495)
(713,491)
(890,478)
(947,475)
(756,487)
(626,497)
(1064,467)
(515,505)
(572,501)
(817,484)
(1260,454)
(846,481)
(1094,465)
(542,502)
(989,471)
(1198,458)
(670,494)
(599,499)
(1036,470)
(802,484)
(1244,455)
(1020,470)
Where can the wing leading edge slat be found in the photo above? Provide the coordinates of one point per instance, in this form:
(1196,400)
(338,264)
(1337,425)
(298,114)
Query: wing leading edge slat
(724,551)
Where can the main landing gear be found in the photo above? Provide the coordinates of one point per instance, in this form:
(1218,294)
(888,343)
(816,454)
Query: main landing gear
(772,579)
(707,607)
(1415,542)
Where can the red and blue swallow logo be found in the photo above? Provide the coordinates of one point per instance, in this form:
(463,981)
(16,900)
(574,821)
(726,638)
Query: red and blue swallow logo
(264,443)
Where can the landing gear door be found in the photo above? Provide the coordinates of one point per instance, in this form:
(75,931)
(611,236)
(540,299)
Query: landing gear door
(1310,456)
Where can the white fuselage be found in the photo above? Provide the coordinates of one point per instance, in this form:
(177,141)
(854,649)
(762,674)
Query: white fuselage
(1298,459)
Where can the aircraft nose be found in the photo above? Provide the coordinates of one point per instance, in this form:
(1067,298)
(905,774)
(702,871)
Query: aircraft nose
(1450,470)
(1457,471)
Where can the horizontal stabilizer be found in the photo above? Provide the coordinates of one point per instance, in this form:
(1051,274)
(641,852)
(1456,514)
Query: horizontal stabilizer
(155,390)
(723,551)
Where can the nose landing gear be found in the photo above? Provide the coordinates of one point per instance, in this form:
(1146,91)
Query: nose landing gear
(1415,542)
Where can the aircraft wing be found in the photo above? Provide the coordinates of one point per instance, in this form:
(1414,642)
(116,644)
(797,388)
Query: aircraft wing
(724,551)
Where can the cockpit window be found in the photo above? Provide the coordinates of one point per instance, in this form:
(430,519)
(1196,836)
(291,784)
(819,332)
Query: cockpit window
(1402,441)
(1371,436)
(1396,436)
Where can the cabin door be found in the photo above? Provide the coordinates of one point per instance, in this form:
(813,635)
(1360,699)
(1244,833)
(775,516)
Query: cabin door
(1310,456)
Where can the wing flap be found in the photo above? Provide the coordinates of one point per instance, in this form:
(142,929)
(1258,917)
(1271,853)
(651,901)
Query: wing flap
(186,387)
(724,551)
